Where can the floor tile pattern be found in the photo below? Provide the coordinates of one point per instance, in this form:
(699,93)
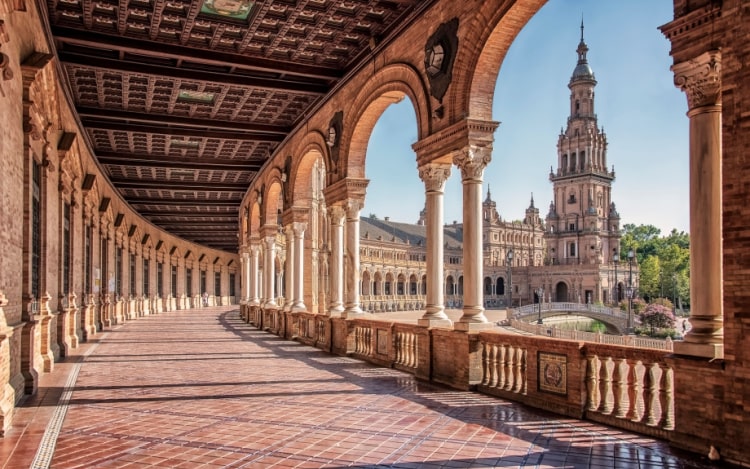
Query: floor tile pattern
(201,389)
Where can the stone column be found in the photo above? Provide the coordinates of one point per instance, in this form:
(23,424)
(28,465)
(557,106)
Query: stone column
(700,79)
(254,274)
(268,271)
(289,275)
(337,261)
(299,266)
(246,276)
(353,284)
(472,161)
(434,177)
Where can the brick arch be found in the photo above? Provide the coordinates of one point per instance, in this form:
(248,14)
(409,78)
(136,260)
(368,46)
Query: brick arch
(387,86)
(271,202)
(254,224)
(490,33)
(312,147)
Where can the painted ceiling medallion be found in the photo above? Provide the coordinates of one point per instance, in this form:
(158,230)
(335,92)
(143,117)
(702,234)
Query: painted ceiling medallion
(233,9)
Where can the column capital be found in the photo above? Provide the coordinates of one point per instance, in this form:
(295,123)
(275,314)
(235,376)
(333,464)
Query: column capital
(434,176)
(270,242)
(352,208)
(337,213)
(299,228)
(700,79)
(472,160)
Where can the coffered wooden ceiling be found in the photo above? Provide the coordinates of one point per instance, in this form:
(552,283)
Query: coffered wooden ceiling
(183,102)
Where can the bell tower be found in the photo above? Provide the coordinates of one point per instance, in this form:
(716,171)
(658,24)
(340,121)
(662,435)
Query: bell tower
(583,226)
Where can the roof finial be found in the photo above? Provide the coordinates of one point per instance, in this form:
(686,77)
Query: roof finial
(581,27)
(532,200)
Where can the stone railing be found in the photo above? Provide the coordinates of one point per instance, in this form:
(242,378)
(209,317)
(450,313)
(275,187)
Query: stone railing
(596,337)
(620,385)
(630,388)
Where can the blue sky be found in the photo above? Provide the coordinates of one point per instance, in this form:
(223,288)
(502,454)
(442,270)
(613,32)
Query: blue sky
(641,111)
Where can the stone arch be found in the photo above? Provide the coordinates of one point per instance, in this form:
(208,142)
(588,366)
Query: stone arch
(272,200)
(491,32)
(366,282)
(311,148)
(386,87)
(562,291)
(254,218)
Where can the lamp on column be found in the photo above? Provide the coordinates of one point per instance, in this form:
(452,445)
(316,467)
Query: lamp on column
(630,290)
(616,260)
(540,296)
(510,278)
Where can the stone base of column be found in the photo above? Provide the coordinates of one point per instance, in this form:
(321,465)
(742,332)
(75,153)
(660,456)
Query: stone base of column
(299,308)
(352,313)
(710,351)
(435,322)
(472,326)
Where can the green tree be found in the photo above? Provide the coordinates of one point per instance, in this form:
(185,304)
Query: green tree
(650,285)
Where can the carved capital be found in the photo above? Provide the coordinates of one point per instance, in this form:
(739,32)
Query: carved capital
(700,79)
(299,229)
(337,213)
(352,207)
(472,161)
(270,242)
(434,176)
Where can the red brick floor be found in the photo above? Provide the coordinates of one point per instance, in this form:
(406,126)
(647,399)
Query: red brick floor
(201,389)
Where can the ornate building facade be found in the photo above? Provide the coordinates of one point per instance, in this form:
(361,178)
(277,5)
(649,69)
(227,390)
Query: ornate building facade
(571,256)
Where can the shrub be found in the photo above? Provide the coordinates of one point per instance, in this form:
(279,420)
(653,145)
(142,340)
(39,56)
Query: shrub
(656,316)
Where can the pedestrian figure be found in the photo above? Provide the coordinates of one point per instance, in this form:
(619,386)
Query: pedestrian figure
(205,298)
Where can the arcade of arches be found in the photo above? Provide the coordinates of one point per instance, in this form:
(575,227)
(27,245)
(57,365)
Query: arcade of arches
(76,257)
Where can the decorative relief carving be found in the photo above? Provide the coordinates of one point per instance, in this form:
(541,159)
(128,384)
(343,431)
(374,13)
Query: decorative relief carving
(5,71)
(336,213)
(439,55)
(472,161)
(434,176)
(333,140)
(299,229)
(352,207)
(700,79)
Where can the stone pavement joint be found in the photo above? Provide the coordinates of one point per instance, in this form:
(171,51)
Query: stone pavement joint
(202,389)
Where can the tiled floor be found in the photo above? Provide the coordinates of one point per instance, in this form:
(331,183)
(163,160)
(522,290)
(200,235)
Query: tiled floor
(201,389)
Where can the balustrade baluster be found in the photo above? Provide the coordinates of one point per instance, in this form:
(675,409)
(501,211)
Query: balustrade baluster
(653,406)
(667,399)
(486,364)
(594,396)
(493,365)
(399,348)
(519,368)
(501,366)
(608,395)
(636,392)
(622,402)
(415,355)
(510,370)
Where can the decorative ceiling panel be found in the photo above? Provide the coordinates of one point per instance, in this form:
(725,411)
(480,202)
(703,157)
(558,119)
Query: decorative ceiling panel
(201,93)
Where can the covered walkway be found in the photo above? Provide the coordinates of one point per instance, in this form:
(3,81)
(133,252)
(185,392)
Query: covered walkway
(203,389)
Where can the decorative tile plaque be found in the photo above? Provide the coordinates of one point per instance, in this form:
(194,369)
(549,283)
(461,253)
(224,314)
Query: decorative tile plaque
(553,373)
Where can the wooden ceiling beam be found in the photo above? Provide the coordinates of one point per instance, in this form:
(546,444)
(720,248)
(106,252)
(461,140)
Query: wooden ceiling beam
(176,73)
(256,131)
(228,215)
(182,202)
(127,183)
(178,131)
(94,40)
(157,161)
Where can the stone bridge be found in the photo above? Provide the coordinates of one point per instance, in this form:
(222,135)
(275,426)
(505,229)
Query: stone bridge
(615,319)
